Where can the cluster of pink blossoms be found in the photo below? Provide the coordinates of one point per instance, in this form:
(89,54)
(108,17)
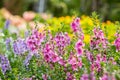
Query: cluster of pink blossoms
(79,47)
(75,62)
(70,76)
(62,40)
(106,76)
(49,53)
(34,41)
(75,25)
(98,39)
(86,76)
(96,65)
(96,61)
(117,42)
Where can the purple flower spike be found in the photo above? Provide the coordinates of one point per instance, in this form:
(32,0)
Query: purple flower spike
(19,46)
(28,58)
(8,40)
(5,65)
(7,23)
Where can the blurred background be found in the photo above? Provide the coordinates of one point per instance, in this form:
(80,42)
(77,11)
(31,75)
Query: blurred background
(107,9)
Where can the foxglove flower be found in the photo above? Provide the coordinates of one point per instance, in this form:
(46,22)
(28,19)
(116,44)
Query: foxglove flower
(5,65)
(19,46)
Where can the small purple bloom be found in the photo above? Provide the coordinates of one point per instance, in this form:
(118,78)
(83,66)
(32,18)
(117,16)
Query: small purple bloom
(8,40)
(28,58)
(19,46)
(5,65)
(7,23)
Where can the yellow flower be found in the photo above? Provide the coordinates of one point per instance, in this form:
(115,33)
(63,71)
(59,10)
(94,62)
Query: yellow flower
(87,38)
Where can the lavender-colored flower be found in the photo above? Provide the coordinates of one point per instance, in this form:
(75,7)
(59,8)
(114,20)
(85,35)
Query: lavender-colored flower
(7,23)
(19,46)
(5,65)
(8,40)
(28,58)
(26,34)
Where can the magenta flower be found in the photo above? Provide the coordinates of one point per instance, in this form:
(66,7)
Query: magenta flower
(75,24)
(70,76)
(75,62)
(80,63)
(78,47)
(104,77)
(84,77)
(117,44)
(72,60)
(98,39)
(62,62)
(35,40)
(49,54)
(104,59)
(45,77)
(62,40)
(92,76)
(90,56)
